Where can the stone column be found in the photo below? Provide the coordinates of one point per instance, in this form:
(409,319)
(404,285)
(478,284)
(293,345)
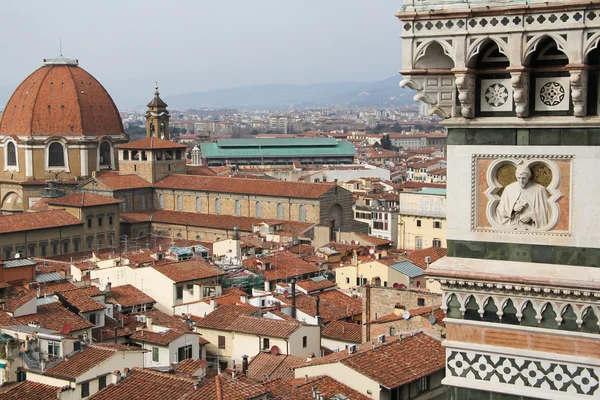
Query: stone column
(520,85)
(579,88)
(465,83)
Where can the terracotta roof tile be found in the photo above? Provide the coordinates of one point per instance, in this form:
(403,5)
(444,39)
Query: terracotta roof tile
(401,361)
(161,338)
(267,366)
(37,220)
(114,181)
(81,362)
(84,200)
(188,270)
(223,317)
(223,387)
(264,326)
(13,303)
(344,331)
(299,389)
(283,265)
(200,170)
(54,316)
(128,296)
(153,385)
(189,366)
(80,300)
(209,220)
(375,241)
(417,257)
(218,184)
(29,390)
(311,286)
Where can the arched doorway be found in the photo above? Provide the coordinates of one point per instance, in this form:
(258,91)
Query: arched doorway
(336,213)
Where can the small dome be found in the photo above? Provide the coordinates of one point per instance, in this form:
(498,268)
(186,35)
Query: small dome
(61,99)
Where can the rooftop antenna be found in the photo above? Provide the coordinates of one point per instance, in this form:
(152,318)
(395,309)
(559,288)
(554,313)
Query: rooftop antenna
(60,45)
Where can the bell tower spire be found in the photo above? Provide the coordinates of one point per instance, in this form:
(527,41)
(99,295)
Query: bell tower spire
(157,117)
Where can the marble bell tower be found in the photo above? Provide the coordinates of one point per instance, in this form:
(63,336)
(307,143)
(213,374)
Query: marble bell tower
(517,84)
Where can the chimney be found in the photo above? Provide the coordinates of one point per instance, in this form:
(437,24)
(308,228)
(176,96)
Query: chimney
(149,323)
(116,377)
(244,364)
(213,304)
(115,333)
(294,298)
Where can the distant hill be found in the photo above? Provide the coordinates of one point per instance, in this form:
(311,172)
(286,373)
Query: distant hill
(385,93)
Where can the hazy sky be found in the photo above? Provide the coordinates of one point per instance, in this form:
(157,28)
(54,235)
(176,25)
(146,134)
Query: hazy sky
(200,45)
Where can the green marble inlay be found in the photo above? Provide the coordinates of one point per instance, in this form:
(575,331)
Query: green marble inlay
(563,255)
(525,137)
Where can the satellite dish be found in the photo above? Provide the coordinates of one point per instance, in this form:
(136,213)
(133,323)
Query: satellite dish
(66,329)
(371,251)
(274,350)
(406,315)
(102,287)
(202,363)
(431,319)
(396,286)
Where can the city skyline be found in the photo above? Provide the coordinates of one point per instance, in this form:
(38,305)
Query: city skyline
(128,46)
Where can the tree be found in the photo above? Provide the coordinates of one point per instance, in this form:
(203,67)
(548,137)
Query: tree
(386,142)
(254,132)
(183,131)
(175,130)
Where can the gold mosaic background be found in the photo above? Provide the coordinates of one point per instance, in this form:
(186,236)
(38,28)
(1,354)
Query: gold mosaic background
(506,175)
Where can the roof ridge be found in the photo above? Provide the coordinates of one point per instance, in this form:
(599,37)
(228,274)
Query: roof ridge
(218,387)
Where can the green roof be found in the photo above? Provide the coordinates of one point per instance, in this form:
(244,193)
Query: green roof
(252,148)
(437,191)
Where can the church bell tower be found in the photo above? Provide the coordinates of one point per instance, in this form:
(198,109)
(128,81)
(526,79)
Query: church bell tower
(157,118)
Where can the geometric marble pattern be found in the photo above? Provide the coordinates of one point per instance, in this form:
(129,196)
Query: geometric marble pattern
(496,95)
(545,375)
(553,94)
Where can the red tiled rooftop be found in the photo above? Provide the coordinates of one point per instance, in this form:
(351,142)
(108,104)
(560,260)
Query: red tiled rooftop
(223,317)
(160,338)
(29,390)
(82,301)
(264,326)
(188,270)
(283,265)
(114,181)
(343,331)
(128,296)
(79,363)
(224,387)
(300,389)
(37,220)
(267,366)
(84,200)
(218,184)
(417,257)
(225,222)
(54,316)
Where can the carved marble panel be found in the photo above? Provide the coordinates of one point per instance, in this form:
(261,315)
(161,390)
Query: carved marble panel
(552,94)
(521,194)
(496,95)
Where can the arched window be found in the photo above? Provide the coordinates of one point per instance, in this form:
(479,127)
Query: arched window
(125,154)
(11,154)
(569,320)
(179,236)
(509,313)
(529,316)
(105,153)
(179,203)
(472,310)
(590,322)
(258,211)
(198,204)
(198,237)
(549,317)
(161,201)
(302,213)
(238,208)
(279,211)
(489,311)
(454,308)
(178,154)
(56,155)
(217,206)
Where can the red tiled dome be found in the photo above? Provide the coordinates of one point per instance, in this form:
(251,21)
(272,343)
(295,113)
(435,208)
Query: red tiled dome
(61,99)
